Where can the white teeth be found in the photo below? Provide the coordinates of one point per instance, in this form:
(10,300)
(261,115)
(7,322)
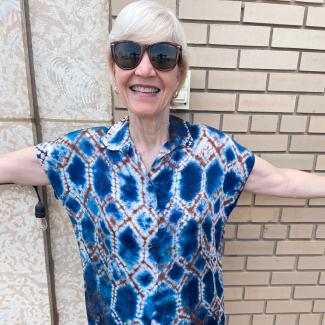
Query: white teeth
(145,89)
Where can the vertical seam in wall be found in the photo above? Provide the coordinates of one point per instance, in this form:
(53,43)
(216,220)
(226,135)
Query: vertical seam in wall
(31,84)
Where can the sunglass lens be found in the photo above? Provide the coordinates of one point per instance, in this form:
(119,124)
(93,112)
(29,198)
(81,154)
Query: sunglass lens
(127,55)
(163,56)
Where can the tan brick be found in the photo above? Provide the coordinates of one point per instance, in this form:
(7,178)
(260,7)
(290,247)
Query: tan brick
(308,319)
(255,214)
(293,124)
(117,5)
(300,247)
(244,307)
(319,307)
(233,293)
(237,80)
(230,231)
(278,201)
(297,82)
(211,10)
(246,278)
(239,319)
(275,231)
(231,263)
(286,319)
(249,231)
(298,38)
(248,247)
(260,142)
(304,215)
(310,1)
(296,161)
(262,320)
(311,104)
(213,57)
(270,263)
(285,306)
(239,35)
(309,292)
(311,263)
(317,202)
(235,123)
(267,59)
(245,198)
(322,278)
(266,103)
(119,114)
(320,162)
(210,119)
(311,61)
(308,143)
(269,293)
(264,123)
(195,33)
(301,231)
(212,101)
(198,79)
(317,124)
(294,277)
(320,232)
(267,13)
(316,17)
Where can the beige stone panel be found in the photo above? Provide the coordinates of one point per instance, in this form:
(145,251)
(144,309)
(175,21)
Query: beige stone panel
(213,57)
(210,119)
(235,123)
(260,142)
(311,104)
(316,17)
(237,80)
(212,101)
(268,59)
(264,123)
(320,162)
(266,103)
(24,291)
(198,79)
(295,161)
(70,56)
(263,320)
(267,13)
(299,38)
(211,10)
(67,266)
(240,35)
(317,124)
(293,124)
(117,5)
(14,101)
(195,33)
(311,61)
(297,82)
(308,143)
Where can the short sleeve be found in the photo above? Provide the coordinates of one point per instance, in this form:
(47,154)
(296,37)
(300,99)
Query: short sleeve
(239,164)
(52,156)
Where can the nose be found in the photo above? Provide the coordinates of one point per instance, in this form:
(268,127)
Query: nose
(145,67)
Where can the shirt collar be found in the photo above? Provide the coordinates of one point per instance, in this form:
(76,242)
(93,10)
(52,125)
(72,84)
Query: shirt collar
(117,137)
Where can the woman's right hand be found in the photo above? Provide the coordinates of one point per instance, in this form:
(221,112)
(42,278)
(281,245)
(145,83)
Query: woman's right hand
(22,167)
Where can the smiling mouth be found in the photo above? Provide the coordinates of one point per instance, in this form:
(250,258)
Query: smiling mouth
(145,90)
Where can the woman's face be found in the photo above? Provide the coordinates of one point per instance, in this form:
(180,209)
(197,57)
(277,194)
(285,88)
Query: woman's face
(146,91)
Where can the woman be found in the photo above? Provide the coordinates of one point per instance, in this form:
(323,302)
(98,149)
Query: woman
(149,196)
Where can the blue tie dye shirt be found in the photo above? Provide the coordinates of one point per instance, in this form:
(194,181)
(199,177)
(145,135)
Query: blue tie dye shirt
(151,243)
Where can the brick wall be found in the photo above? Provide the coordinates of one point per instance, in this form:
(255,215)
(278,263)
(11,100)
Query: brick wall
(258,72)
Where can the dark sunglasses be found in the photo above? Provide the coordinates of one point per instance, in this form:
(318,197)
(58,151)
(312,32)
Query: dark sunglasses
(164,56)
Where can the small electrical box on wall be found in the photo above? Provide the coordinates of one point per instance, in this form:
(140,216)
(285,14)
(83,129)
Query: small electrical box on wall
(182,101)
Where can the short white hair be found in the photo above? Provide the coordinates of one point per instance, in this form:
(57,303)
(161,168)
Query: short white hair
(148,21)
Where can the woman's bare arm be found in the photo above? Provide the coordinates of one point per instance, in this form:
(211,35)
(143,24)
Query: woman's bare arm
(270,180)
(22,167)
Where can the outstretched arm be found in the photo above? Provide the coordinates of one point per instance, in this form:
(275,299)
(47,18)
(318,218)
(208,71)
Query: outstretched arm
(22,167)
(270,180)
